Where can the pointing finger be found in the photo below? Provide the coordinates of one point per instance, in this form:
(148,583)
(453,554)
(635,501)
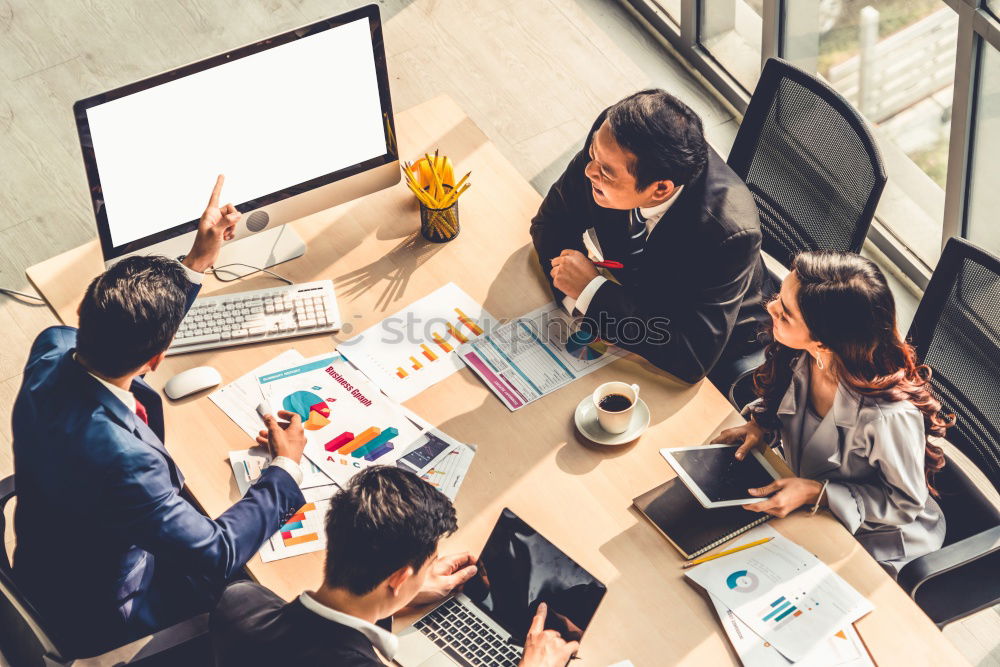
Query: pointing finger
(538,622)
(213,202)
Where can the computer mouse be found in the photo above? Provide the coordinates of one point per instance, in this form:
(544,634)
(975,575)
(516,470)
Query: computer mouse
(190,381)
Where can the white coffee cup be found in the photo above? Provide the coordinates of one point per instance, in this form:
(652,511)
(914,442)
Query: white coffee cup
(618,421)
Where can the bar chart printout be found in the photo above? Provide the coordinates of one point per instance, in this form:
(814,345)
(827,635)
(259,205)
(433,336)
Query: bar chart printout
(783,593)
(534,355)
(303,533)
(415,348)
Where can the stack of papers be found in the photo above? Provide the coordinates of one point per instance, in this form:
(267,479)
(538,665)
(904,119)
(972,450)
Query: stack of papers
(779,596)
(349,426)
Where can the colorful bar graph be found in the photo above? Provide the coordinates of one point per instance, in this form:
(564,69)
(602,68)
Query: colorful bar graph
(457,334)
(360,440)
(384,449)
(441,342)
(401,373)
(292,525)
(427,352)
(464,319)
(777,610)
(339,441)
(292,541)
(376,442)
(416,364)
(784,613)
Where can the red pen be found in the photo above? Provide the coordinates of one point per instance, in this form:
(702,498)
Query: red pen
(608,264)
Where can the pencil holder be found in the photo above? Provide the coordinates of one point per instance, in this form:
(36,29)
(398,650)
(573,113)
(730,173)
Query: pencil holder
(439,225)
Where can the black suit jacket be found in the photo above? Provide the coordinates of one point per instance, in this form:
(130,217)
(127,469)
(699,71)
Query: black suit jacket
(701,268)
(253,627)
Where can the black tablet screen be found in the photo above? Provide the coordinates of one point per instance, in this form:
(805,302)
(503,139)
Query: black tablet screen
(719,474)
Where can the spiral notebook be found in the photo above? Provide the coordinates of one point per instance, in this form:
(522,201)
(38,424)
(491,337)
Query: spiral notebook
(690,527)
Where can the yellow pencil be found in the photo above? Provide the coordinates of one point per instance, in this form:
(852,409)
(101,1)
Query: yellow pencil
(705,559)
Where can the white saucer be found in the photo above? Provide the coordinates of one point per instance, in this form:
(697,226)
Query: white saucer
(587,424)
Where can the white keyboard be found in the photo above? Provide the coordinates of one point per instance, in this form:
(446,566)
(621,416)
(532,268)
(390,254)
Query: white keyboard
(259,315)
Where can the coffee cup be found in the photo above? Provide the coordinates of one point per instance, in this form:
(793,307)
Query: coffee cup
(615,403)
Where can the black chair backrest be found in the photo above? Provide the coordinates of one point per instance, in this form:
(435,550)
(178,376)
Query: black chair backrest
(22,638)
(956,331)
(811,163)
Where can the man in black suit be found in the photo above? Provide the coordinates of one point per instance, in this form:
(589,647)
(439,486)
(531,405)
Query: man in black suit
(382,538)
(664,204)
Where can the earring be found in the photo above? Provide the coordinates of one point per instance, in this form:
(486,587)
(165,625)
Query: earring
(819,362)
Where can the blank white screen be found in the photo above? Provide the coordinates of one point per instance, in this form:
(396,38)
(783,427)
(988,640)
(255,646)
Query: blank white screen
(267,121)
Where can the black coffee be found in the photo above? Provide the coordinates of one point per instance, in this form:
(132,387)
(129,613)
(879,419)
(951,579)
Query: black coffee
(615,403)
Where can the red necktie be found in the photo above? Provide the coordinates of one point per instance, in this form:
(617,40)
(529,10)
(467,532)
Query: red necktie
(140,412)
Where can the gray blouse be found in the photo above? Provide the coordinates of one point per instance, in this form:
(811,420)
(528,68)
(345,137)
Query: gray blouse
(872,452)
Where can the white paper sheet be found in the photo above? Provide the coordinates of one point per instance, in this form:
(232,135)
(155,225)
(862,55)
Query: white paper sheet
(239,399)
(415,348)
(304,532)
(534,355)
(783,593)
(248,464)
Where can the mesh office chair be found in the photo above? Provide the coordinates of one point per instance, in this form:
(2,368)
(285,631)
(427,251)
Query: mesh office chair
(25,642)
(815,171)
(956,331)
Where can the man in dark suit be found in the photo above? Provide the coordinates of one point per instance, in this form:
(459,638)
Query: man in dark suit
(382,538)
(108,549)
(661,202)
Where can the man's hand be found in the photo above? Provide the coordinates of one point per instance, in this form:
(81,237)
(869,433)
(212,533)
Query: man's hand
(447,573)
(571,272)
(217,224)
(789,494)
(284,439)
(546,648)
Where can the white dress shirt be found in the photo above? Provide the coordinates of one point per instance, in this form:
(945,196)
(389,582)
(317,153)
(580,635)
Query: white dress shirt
(126,397)
(652,216)
(383,640)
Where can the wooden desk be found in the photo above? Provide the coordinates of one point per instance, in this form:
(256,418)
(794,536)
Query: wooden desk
(532,461)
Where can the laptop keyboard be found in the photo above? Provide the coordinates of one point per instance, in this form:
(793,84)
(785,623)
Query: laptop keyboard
(455,629)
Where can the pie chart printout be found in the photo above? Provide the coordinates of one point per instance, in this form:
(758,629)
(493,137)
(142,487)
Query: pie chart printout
(313,410)
(586,346)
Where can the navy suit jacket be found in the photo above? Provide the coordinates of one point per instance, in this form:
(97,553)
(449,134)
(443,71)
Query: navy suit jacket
(108,549)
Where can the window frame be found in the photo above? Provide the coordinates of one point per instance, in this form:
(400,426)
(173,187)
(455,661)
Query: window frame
(978,29)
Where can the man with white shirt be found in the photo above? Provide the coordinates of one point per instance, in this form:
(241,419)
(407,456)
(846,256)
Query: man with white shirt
(108,548)
(382,535)
(660,202)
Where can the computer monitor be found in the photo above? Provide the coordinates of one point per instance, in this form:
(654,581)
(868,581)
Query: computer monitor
(297,123)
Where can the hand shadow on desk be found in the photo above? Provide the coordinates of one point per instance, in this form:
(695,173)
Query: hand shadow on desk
(395,268)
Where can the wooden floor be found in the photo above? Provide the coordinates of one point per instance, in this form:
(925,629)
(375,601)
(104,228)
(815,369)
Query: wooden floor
(533,74)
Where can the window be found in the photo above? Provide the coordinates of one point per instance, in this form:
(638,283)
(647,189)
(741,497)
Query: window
(982,219)
(903,64)
(731,32)
(894,61)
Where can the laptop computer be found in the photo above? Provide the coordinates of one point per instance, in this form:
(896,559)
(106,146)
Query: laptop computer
(486,624)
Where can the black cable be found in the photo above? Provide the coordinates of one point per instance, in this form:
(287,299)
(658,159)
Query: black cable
(215,272)
(15,293)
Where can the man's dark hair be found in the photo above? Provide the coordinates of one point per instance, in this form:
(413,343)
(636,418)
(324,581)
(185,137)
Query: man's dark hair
(386,518)
(130,313)
(663,133)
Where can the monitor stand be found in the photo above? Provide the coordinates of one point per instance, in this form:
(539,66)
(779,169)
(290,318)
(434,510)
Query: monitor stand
(259,251)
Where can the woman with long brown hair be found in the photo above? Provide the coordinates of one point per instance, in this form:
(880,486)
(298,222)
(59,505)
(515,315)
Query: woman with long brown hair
(851,407)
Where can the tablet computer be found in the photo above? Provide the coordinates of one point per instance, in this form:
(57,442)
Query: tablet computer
(714,475)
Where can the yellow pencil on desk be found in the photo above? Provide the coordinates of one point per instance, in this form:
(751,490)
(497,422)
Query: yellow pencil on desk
(705,559)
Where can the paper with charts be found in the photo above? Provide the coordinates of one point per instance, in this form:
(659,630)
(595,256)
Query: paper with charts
(304,532)
(439,460)
(534,355)
(349,425)
(239,399)
(844,648)
(415,348)
(783,593)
